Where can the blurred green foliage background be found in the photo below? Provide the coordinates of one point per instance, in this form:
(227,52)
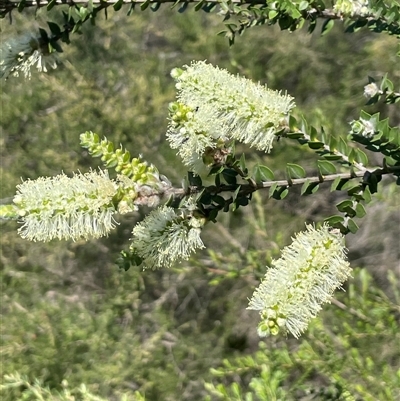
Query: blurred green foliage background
(69,315)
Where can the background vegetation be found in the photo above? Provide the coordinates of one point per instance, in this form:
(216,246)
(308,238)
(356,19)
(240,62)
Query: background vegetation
(70,317)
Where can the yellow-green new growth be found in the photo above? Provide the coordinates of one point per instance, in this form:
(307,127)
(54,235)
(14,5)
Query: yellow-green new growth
(139,183)
(66,207)
(297,284)
(119,159)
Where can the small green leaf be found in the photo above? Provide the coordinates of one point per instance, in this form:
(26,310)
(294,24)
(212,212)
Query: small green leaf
(294,135)
(344,205)
(144,5)
(50,4)
(303,5)
(352,225)
(235,194)
(194,180)
(280,193)
(295,171)
(43,34)
(360,210)
(327,26)
(337,184)
(272,189)
(361,157)
(309,188)
(262,173)
(342,146)
(117,6)
(326,168)
(367,195)
(315,145)
(332,157)
(242,162)
(229,176)
(219,200)
(272,14)
(332,220)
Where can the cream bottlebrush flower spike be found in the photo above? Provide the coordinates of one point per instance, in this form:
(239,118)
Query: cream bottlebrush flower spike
(297,284)
(213,105)
(66,208)
(19,55)
(352,7)
(165,236)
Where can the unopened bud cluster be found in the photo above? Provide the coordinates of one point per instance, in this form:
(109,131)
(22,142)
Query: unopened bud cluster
(297,284)
(139,182)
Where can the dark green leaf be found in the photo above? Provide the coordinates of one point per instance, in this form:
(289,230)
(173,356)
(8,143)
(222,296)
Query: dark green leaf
(155,6)
(194,180)
(309,188)
(117,6)
(344,205)
(144,5)
(315,145)
(219,200)
(294,135)
(50,4)
(280,193)
(332,220)
(54,28)
(332,157)
(229,176)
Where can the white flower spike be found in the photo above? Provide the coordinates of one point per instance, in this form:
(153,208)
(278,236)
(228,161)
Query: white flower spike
(297,284)
(215,106)
(166,236)
(66,208)
(19,55)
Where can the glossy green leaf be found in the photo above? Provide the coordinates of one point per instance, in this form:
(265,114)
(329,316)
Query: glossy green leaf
(332,220)
(360,210)
(361,157)
(242,162)
(367,195)
(344,205)
(117,6)
(325,167)
(272,189)
(327,26)
(315,145)
(332,157)
(342,146)
(262,173)
(352,225)
(229,176)
(194,180)
(295,171)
